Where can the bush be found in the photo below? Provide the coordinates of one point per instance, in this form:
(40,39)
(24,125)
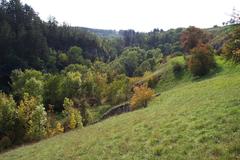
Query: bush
(53,91)
(73,118)
(153,81)
(231,49)
(118,90)
(37,128)
(201,60)
(33,116)
(53,127)
(7,115)
(141,96)
(5,142)
(177,68)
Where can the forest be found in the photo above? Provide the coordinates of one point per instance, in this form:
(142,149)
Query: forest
(55,77)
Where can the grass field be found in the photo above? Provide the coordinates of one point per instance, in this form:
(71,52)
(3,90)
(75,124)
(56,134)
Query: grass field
(197,119)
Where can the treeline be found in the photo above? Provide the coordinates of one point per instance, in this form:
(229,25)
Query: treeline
(28,42)
(167,41)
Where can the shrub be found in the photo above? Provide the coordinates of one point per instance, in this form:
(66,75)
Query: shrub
(53,127)
(33,116)
(231,49)
(5,142)
(118,90)
(177,68)
(73,118)
(7,114)
(201,60)
(153,81)
(59,128)
(53,91)
(54,130)
(37,124)
(141,96)
(72,84)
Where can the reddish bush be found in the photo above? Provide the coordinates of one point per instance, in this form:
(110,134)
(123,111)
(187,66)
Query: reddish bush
(201,60)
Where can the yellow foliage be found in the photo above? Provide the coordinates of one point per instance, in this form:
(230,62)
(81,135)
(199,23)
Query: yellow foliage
(51,131)
(142,94)
(59,128)
(72,121)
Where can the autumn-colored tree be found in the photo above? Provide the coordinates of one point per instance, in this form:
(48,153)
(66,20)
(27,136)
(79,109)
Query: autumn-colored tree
(142,94)
(193,36)
(201,60)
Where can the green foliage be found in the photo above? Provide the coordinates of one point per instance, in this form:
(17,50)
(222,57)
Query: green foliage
(134,61)
(201,60)
(75,55)
(28,81)
(37,123)
(76,68)
(144,66)
(7,115)
(53,91)
(63,59)
(118,90)
(72,84)
(177,68)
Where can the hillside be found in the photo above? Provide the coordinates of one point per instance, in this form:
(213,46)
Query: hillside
(196,120)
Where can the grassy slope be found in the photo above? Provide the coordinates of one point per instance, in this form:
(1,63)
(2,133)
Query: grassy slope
(198,120)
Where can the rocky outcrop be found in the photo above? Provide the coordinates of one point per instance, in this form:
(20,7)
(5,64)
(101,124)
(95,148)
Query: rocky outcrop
(116,110)
(119,109)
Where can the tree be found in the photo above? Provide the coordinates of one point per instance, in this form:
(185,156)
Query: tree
(231,49)
(118,90)
(131,58)
(72,84)
(33,116)
(7,116)
(193,36)
(72,115)
(28,81)
(75,55)
(37,123)
(142,94)
(201,60)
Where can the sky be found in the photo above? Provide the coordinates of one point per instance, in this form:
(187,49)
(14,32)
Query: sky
(140,15)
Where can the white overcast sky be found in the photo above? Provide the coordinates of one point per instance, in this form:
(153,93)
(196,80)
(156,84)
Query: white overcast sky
(141,15)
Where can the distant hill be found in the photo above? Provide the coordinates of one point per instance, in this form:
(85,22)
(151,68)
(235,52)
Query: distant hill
(107,33)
